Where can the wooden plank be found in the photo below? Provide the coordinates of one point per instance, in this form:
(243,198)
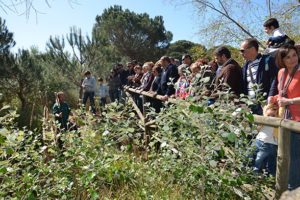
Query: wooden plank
(291,125)
(136,108)
(283,161)
(269,121)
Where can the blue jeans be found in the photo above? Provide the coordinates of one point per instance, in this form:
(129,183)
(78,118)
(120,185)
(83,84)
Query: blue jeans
(122,96)
(91,96)
(265,152)
(294,175)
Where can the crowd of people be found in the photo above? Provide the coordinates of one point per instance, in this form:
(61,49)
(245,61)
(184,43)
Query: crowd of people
(275,74)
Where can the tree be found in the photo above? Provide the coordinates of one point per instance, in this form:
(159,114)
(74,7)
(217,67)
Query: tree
(21,77)
(231,21)
(85,52)
(26,6)
(6,38)
(180,47)
(134,35)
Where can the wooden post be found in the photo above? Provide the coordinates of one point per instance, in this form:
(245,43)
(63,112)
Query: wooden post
(144,106)
(283,161)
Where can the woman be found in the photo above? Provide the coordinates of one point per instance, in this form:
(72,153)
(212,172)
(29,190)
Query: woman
(114,84)
(289,97)
(155,88)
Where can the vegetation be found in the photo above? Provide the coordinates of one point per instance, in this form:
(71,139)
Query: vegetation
(231,21)
(185,157)
(136,36)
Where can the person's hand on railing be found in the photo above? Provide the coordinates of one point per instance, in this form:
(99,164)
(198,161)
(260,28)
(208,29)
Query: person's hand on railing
(153,93)
(164,98)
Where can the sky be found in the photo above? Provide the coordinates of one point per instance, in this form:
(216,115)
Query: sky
(57,19)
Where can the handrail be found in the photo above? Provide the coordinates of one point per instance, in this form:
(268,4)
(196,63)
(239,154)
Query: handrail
(283,155)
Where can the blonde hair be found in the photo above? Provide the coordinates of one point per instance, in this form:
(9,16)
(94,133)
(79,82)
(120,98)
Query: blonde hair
(149,64)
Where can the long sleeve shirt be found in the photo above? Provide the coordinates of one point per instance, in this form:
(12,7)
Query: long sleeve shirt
(103,91)
(91,84)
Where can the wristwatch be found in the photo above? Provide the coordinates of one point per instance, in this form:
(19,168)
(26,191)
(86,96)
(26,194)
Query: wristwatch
(292,101)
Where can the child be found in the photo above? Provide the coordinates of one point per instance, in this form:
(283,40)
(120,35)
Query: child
(265,145)
(103,92)
(277,38)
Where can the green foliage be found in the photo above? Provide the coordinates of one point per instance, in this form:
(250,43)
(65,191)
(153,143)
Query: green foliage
(6,38)
(180,47)
(184,154)
(232,21)
(136,36)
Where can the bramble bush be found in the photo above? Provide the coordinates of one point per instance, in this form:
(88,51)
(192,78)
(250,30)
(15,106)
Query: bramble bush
(194,152)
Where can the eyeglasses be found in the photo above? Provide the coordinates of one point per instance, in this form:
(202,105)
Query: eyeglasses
(243,50)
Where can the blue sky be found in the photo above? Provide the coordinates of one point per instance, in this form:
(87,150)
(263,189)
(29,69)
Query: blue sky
(57,19)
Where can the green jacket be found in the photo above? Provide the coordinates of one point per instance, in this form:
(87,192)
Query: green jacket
(65,109)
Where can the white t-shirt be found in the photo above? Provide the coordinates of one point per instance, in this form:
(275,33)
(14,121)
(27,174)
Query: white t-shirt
(266,135)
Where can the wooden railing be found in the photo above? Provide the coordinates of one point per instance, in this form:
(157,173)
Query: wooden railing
(285,127)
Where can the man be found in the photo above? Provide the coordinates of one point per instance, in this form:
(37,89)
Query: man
(187,59)
(229,71)
(259,73)
(170,74)
(123,77)
(62,111)
(186,63)
(89,85)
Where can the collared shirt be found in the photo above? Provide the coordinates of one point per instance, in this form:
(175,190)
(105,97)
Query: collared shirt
(91,84)
(277,32)
(222,66)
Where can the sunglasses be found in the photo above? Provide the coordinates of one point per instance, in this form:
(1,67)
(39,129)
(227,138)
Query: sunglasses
(243,50)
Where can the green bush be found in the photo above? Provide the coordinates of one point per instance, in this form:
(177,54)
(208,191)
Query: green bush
(195,152)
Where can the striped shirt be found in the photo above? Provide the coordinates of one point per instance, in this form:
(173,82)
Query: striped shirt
(252,68)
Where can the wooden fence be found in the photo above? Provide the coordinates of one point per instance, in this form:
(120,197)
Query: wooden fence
(285,127)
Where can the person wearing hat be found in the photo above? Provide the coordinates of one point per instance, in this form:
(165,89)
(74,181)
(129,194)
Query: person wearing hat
(89,85)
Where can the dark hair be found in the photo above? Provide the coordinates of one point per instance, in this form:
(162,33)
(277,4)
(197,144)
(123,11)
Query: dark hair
(186,56)
(283,52)
(252,42)
(222,50)
(271,22)
(157,68)
(100,79)
(87,73)
(118,65)
(134,62)
(165,58)
(171,59)
(113,70)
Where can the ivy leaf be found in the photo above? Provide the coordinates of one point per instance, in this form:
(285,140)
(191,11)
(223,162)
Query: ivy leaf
(198,109)
(131,130)
(3,170)
(231,137)
(9,151)
(250,117)
(213,163)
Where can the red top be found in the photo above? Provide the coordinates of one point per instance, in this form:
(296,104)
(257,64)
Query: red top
(293,91)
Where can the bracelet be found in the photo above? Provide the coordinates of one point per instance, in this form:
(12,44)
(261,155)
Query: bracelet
(292,101)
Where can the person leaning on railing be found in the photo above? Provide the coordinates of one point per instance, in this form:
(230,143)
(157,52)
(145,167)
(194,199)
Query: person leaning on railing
(289,98)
